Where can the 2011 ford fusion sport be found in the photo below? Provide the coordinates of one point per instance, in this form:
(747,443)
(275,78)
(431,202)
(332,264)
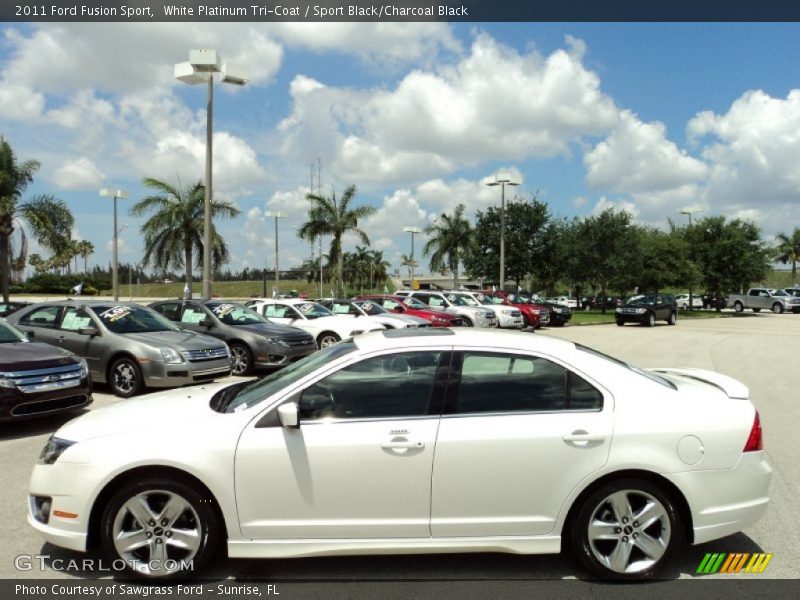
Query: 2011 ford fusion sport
(409,441)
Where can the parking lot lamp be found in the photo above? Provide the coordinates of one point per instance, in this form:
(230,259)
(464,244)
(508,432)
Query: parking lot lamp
(689,214)
(200,68)
(277,215)
(412,231)
(108,193)
(502,179)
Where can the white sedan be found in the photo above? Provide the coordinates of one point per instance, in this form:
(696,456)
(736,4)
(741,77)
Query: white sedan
(682,300)
(427,440)
(326,327)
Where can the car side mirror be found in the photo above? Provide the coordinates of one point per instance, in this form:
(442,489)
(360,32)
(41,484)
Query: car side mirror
(90,331)
(289,415)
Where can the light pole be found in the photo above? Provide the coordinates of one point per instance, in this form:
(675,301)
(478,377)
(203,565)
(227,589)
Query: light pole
(107,192)
(200,68)
(502,179)
(277,215)
(689,214)
(412,231)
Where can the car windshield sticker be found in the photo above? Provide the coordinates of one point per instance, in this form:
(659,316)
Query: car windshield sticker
(224,309)
(192,316)
(73,321)
(116,313)
(340,309)
(305,308)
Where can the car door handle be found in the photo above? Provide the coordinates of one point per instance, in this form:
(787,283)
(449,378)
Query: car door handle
(582,436)
(402,444)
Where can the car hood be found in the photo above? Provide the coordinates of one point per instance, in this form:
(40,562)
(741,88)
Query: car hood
(24,356)
(182,406)
(184,339)
(344,321)
(733,388)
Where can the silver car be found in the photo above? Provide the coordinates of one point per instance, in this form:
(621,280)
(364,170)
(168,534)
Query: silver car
(126,345)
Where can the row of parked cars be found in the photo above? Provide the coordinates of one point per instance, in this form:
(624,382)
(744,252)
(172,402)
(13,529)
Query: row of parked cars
(56,350)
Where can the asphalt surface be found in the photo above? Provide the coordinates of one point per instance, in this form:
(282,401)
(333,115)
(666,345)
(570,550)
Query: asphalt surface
(760,350)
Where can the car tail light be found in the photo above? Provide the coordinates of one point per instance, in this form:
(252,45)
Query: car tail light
(755,441)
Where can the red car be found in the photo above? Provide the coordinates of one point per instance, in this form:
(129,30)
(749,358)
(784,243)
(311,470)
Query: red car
(533,315)
(411,306)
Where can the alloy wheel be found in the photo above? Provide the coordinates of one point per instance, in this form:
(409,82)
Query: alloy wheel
(240,359)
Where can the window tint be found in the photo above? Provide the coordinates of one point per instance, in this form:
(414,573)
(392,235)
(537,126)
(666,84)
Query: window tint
(42,317)
(75,318)
(171,311)
(510,383)
(393,385)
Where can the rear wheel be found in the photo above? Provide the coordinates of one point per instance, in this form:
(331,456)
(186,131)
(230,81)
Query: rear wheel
(158,526)
(777,308)
(626,529)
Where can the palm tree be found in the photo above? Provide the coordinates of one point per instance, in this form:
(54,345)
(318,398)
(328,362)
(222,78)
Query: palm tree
(789,250)
(411,263)
(377,268)
(449,237)
(173,235)
(85,250)
(49,219)
(37,262)
(335,217)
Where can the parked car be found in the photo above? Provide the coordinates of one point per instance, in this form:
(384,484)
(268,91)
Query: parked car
(414,441)
(777,301)
(126,345)
(533,315)
(647,310)
(600,302)
(253,341)
(560,314)
(373,312)
(37,379)
(566,301)
(714,301)
(6,308)
(471,315)
(682,300)
(411,307)
(508,317)
(794,291)
(327,328)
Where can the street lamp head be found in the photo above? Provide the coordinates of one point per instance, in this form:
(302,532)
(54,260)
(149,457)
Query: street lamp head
(274,213)
(205,60)
(186,73)
(234,74)
(412,229)
(112,193)
(502,178)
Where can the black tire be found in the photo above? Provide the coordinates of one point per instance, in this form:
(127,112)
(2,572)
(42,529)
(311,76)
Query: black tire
(650,320)
(738,306)
(195,515)
(327,338)
(673,318)
(125,377)
(620,322)
(777,308)
(467,322)
(662,536)
(525,322)
(755,310)
(241,359)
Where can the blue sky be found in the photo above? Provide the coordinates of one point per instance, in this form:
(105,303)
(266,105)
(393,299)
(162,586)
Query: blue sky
(649,118)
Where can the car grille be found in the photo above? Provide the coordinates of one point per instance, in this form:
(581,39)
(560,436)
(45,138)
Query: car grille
(628,311)
(43,380)
(516,314)
(299,340)
(205,354)
(46,406)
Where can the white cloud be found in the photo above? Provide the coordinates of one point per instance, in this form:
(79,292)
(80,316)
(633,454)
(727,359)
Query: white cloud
(78,174)
(616,205)
(20,103)
(638,157)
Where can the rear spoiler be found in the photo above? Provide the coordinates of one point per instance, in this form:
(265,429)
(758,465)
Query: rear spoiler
(733,388)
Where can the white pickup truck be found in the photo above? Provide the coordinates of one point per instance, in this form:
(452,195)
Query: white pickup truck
(777,301)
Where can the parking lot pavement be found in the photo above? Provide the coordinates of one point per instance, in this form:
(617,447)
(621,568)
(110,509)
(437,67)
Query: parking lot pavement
(759,349)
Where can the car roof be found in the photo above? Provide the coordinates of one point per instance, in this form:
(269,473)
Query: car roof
(79,302)
(462,336)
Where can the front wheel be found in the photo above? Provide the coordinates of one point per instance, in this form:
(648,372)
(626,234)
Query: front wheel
(241,359)
(160,528)
(327,338)
(620,322)
(125,377)
(673,318)
(777,308)
(626,529)
(738,306)
(467,322)
(650,320)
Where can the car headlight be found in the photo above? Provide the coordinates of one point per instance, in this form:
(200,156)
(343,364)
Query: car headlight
(6,381)
(171,356)
(641,311)
(619,310)
(276,341)
(53,449)
(84,368)
(509,313)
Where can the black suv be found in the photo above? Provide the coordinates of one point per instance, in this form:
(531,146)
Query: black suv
(648,309)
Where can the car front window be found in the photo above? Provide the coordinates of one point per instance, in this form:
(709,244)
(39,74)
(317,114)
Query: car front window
(10,334)
(126,318)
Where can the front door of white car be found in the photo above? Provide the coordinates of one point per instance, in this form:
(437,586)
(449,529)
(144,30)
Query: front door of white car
(529,429)
(358,466)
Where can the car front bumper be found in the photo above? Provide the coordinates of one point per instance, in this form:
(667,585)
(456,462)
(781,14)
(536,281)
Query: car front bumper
(278,356)
(159,374)
(16,404)
(724,502)
(509,322)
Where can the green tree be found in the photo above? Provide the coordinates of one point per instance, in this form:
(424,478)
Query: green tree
(663,260)
(85,250)
(335,216)
(788,250)
(409,263)
(173,235)
(48,219)
(449,237)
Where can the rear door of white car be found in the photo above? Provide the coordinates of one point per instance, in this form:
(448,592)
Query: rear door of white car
(359,465)
(518,433)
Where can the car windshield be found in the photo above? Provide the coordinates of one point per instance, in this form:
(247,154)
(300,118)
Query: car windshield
(494,299)
(10,334)
(415,304)
(263,388)
(235,314)
(647,374)
(312,310)
(369,307)
(462,299)
(127,318)
(778,293)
